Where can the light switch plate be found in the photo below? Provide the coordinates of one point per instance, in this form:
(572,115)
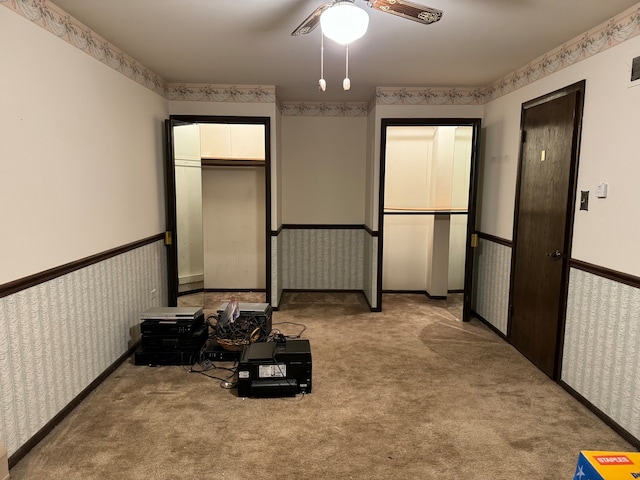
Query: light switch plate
(602,190)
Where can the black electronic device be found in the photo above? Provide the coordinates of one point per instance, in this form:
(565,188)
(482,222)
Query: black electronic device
(171,321)
(216,353)
(275,369)
(171,336)
(153,358)
(169,342)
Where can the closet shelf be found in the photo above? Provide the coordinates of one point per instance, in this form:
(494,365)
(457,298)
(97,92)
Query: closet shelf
(232,162)
(424,211)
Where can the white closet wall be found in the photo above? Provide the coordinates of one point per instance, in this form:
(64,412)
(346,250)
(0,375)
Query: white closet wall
(233,200)
(188,205)
(426,168)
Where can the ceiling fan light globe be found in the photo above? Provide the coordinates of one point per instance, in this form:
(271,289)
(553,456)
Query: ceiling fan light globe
(344,22)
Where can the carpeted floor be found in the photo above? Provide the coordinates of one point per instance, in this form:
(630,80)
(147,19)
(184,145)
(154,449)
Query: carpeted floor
(408,393)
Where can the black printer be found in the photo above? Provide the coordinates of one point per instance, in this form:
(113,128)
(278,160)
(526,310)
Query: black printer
(275,369)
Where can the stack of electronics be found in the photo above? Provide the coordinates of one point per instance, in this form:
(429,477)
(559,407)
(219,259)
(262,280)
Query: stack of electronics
(171,336)
(272,365)
(275,369)
(251,316)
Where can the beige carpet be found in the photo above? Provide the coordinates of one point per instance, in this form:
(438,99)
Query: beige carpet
(409,393)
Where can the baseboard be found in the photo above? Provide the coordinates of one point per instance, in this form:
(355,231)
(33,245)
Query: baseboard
(619,429)
(488,324)
(44,431)
(322,290)
(416,292)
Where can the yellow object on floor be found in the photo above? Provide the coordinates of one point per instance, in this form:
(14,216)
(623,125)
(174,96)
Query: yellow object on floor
(597,465)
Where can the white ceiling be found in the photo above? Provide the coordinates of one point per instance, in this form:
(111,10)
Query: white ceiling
(248,42)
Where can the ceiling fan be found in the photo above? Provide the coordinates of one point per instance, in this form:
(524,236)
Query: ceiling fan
(402,8)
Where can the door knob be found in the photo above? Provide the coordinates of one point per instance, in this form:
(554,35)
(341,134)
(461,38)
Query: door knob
(556,254)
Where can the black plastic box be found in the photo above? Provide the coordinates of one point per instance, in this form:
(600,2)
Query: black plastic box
(275,369)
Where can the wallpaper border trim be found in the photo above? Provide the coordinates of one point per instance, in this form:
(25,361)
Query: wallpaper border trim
(205,92)
(64,26)
(616,30)
(324,109)
(292,226)
(608,34)
(311,226)
(44,276)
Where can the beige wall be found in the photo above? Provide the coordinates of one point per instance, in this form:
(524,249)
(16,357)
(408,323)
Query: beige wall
(81,153)
(323,169)
(607,234)
(80,173)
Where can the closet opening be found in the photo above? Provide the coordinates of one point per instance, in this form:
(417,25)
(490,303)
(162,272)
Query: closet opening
(218,206)
(427,209)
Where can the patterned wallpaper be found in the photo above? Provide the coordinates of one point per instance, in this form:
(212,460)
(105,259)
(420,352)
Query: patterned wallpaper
(370,286)
(222,93)
(322,259)
(327,109)
(615,31)
(276,276)
(58,22)
(59,336)
(601,358)
(491,283)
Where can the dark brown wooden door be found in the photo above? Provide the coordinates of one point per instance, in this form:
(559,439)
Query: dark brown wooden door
(543,225)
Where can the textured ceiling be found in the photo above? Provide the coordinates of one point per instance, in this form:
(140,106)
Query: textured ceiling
(248,42)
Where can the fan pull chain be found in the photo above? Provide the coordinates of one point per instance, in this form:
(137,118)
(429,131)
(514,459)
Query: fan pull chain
(322,84)
(346,83)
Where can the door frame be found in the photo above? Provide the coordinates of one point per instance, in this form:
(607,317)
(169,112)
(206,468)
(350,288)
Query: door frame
(475,123)
(170,193)
(579,88)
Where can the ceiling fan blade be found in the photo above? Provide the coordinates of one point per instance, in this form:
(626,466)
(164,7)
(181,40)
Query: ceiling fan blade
(403,8)
(312,21)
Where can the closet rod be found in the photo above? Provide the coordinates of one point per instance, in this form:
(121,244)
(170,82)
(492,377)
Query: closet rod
(211,162)
(424,211)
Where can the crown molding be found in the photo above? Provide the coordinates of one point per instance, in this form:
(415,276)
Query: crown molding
(48,16)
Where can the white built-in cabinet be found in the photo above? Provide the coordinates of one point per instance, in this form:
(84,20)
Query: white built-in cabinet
(232,141)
